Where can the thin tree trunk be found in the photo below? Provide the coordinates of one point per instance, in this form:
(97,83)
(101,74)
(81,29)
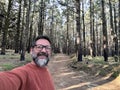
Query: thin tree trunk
(111,18)
(84,40)
(111,27)
(5,31)
(41,17)
(78,27)
(67,40)
(97,39)
(25,33)
(31,30)
(52,27)
(94,41)
(91,28)
(17,36)
(104,28)
(115,36)
(119,31)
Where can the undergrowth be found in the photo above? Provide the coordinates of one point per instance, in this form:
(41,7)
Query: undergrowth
(97,66)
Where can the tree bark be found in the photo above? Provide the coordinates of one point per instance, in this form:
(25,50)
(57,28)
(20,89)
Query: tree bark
(6,26)
(25,32)
(83,19)
(41,18)
(17,36)
(78,27)
(104,28)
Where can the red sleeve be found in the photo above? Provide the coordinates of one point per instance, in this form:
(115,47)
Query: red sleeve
(12,80)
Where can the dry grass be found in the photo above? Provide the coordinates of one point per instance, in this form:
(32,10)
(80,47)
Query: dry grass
(97,66)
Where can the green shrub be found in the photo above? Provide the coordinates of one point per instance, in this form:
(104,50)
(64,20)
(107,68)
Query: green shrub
(115,74)
(102,72)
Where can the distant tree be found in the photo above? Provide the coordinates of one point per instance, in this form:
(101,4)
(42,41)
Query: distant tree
(17,34)
(119,29)
(5,28)
(84,39)
(116,33)
(91,28)
(104,28)
(78,29)
(41,17)
(31,34)
(92,31)
(2,16)
(52,23)
(25,31)
(67,37)
(111,17)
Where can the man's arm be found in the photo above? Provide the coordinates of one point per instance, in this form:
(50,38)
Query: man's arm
(9,81)
(14,79)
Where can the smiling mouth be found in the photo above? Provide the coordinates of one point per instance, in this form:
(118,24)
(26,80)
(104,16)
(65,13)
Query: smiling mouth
(42,57)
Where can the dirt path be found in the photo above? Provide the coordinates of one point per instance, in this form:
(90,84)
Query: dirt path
(67,79)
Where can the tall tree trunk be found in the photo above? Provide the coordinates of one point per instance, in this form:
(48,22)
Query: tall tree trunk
(22,27)
(91,28)
(5,31)
(104,28)
(1,22)
(25,32)
(67,39)
(73,28)
(52,27)
(111,26)
(92,31)
(94,41)
(78,27)
(31,29)
(111,18)
(84,40)
(17,36)
(97,48)
(115,36)
(101,41)
(41,18)
(119,30)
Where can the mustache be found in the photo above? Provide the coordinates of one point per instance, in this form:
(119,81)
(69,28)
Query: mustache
(42,54)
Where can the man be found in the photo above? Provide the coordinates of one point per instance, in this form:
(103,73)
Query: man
(34,75)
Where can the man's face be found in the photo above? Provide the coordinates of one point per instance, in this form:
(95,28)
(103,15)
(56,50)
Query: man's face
(41,52)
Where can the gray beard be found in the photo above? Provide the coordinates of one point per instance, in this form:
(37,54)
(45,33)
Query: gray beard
(40,62)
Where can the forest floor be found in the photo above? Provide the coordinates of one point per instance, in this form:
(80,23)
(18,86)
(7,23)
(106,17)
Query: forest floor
(67,78)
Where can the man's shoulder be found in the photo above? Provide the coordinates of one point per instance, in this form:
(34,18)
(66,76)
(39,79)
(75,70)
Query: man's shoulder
(23,68)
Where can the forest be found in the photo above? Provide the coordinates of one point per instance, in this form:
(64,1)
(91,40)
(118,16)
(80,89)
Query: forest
(82,27)
(85,36)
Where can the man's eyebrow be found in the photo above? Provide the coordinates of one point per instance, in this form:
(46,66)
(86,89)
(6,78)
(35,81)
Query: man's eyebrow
(42,45)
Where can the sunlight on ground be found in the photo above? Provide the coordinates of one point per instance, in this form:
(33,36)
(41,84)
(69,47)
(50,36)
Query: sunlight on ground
(75,77)
(113,85)
(61,61)
(75,86)
(68,79)
(65,74)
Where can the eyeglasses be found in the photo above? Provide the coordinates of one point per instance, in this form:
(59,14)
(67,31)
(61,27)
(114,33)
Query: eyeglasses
(40,47)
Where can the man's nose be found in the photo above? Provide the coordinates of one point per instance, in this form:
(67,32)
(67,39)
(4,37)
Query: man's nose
(43,49)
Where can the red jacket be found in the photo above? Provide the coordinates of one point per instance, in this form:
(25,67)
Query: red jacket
(28,77)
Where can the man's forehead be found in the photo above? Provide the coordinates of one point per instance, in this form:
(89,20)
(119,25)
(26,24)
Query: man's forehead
(42,41)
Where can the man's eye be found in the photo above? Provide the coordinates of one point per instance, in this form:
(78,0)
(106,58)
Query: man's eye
(48,47)
(39,46)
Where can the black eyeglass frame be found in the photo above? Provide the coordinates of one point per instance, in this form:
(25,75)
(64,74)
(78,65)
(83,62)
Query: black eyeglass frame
(40,47)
